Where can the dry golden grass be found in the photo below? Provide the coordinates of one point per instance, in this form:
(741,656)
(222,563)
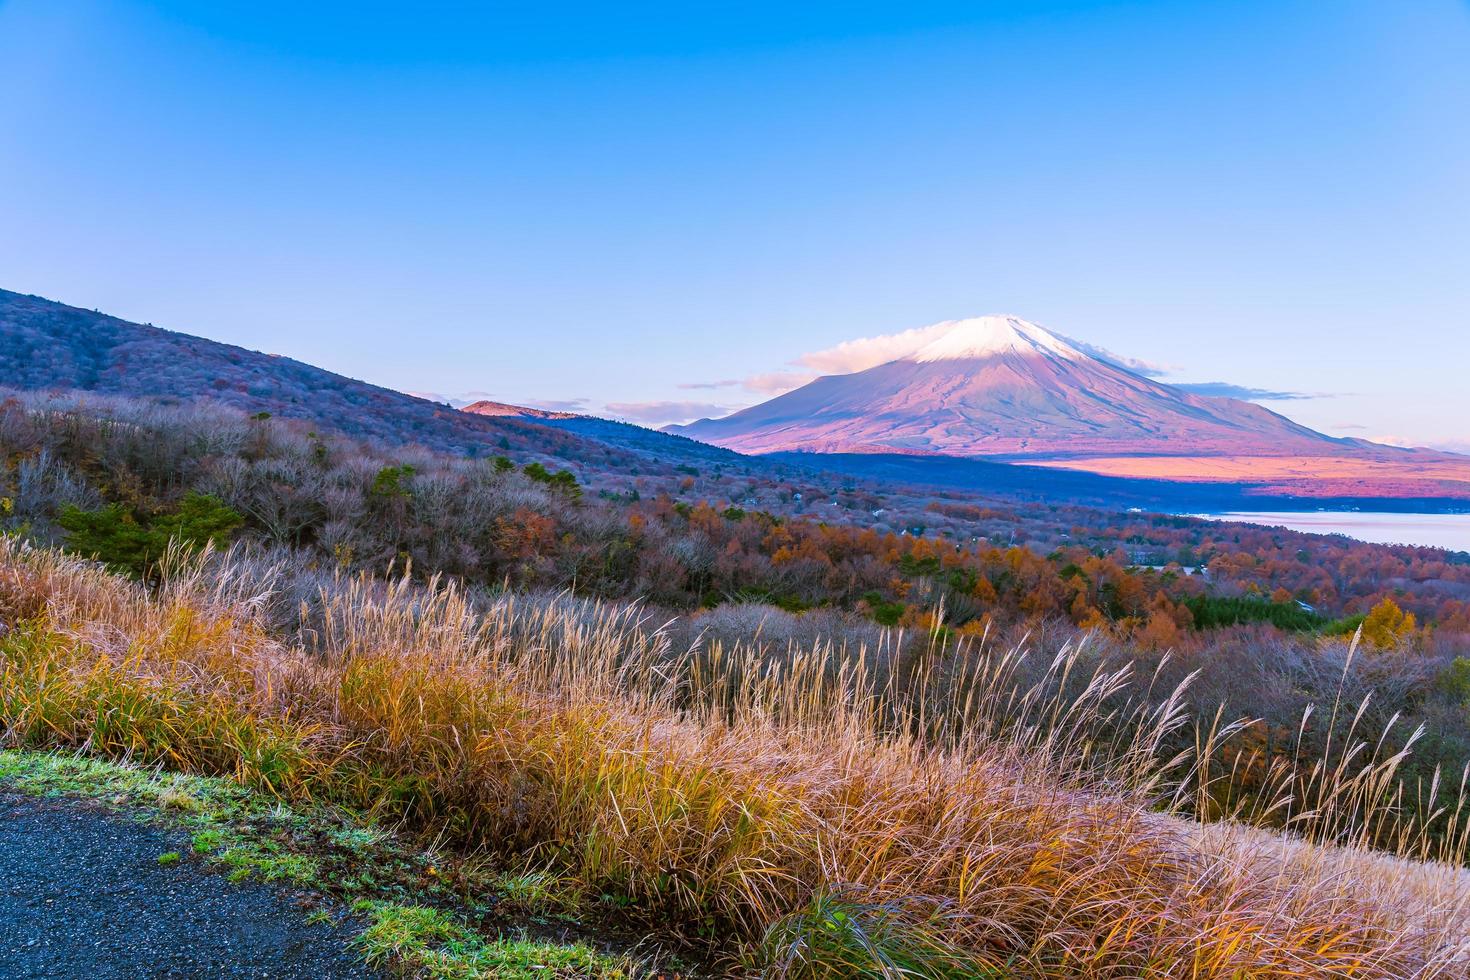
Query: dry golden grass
(825,822)
(1424,904)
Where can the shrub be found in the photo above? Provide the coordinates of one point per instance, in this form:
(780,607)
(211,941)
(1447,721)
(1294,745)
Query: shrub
(564,481)
(1211,612)
(392,481)
(1386,625)
(884,613)
(1454,681)
(115,536)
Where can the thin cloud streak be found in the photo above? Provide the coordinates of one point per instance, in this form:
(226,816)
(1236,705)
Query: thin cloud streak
(1224,389)
(770,383)
(852,356)
(1149,369)
(454,401)
(661,412)
(558,404)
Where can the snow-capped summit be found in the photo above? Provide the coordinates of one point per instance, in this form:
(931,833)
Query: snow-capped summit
(984,336)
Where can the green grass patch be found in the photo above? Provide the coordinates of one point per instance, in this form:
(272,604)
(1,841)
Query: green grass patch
(230,825)
(418,904)
(536,892)
(840,937)
(434,944)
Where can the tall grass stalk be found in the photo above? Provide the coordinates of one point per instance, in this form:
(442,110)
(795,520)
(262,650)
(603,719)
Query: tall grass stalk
(831,812)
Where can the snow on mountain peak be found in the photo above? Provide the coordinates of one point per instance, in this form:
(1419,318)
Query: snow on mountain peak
(986,336)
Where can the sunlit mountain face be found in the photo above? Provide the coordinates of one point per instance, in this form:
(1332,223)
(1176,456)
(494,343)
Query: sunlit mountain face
(1003,387)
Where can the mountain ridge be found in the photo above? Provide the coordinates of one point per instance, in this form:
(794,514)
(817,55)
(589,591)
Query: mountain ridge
(1007,390)
(48,345)
(505,410)
(1004,386)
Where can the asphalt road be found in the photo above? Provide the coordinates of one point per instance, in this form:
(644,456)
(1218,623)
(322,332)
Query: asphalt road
(82,895)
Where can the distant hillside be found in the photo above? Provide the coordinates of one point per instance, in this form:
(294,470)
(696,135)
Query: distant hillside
(1045,484)
(504,411)
(47,345)
(622,434)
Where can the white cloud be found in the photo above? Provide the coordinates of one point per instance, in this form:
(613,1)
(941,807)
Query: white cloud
(1453,446)
(776,382)
(1407,442)
(851,356)
(770,383)
(1149,369)
(1224,389)
(661,412)
(557,404)
(847,357)
(456,401)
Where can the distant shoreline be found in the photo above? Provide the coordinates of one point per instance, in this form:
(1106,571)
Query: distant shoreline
(1447,530)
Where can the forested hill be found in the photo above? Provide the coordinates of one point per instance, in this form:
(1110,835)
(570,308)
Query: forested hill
(47,345)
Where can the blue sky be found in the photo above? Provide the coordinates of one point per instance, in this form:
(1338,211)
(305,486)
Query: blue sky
(657,210)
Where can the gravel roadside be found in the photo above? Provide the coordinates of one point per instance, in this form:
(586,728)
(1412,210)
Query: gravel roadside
(82,894)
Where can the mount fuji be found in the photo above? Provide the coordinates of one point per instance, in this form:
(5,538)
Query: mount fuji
(1004,388)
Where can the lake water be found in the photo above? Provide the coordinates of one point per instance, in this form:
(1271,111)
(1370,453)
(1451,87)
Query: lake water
(1433,530)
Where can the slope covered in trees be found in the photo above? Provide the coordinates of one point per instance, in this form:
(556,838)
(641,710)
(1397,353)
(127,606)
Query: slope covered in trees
(116,477)
(49,346)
